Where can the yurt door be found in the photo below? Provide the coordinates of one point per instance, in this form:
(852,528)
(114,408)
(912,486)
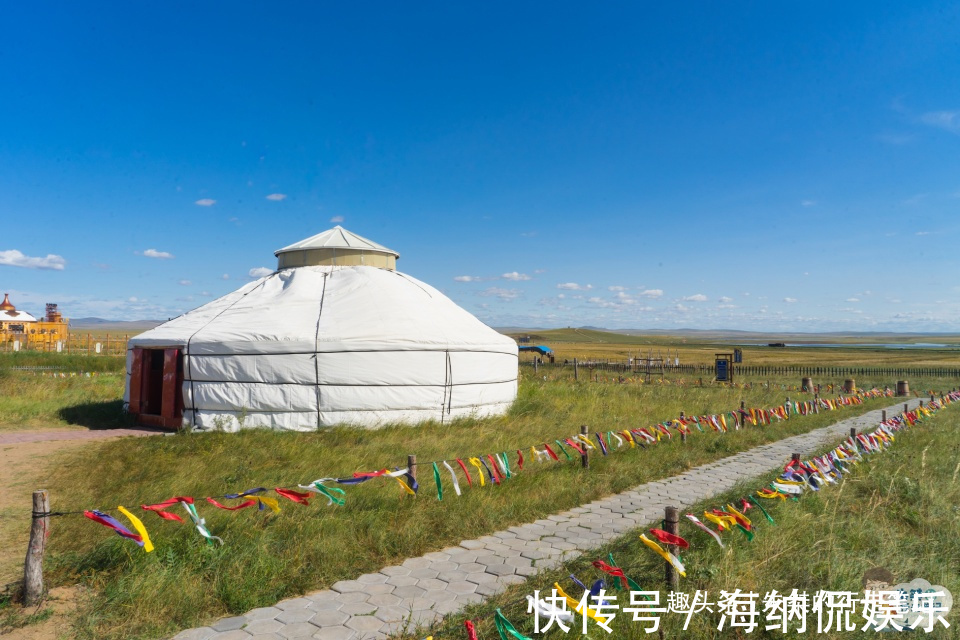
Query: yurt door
(156,383)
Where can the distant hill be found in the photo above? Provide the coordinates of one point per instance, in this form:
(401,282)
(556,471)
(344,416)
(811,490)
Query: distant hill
(653,336)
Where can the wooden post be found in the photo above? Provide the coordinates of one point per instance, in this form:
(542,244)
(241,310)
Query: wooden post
(906,407)
(412,465)
(683,434)
(88,344)
(576,370)
(33,565)
(883,416)
(585,458)
(853,432)
(671,516)
(536,368)
(796,457)
(931,397)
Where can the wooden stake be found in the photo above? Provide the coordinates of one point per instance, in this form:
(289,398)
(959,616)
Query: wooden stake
(671,516)
(33,564)
(585,457)
(412,465)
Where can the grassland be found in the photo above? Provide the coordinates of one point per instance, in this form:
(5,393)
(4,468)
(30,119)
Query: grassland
(897,511)
(267,557)
(35,399)
(585,343)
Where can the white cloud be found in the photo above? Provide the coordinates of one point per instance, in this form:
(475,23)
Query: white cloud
(573,286)
(133,299)
(853,299)
(336,219)
(652,293)
(539,271)
(923,233)
(681,308)
(726,306)
(790,300)
(947,120)
(616,288)
(277,197)
(725,299)
(507,295)
(206,202)
(697,297)
(160,255)
(225,276)
(14,258)
(516,276)
(467,278)
(808,203)
(185,283)
(259,272)
(206,294)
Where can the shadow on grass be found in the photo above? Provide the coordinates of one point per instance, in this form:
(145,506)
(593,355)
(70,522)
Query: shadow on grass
(98,415)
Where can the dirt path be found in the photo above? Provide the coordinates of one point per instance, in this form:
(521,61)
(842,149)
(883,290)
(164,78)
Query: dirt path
(27,459)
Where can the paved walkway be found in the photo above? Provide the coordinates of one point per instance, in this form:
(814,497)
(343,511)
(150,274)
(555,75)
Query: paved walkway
(424,589)
(14,437)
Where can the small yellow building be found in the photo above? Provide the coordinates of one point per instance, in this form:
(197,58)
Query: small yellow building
(20,326)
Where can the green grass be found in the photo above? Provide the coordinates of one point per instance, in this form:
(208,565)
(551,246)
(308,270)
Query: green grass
(29,401)
(268,557)
(896,511)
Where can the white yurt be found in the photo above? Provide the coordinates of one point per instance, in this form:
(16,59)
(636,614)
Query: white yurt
(334,336)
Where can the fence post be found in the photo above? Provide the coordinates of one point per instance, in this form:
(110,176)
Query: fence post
(796,457)
(671,516)
(585,457)
(33,564)
(412,466)
(853,432)
(683,432)
(883,416)
(576,370)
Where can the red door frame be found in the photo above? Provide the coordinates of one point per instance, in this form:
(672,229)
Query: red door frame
(171,394)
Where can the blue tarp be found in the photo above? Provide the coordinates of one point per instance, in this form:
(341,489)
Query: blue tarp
(541,349)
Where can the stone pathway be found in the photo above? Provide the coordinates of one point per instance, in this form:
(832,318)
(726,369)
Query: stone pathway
(14,437)
(425,589)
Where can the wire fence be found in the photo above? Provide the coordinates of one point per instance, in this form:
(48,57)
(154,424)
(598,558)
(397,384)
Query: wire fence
(74,343)
(709,370)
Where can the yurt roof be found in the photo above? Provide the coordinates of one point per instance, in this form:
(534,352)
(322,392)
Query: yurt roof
(337,238)
(16,316)
(329,309)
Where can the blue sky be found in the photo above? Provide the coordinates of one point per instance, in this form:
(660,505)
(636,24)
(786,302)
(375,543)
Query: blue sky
(628,165)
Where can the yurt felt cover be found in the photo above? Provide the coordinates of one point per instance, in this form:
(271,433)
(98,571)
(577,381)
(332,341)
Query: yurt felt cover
(316,346)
